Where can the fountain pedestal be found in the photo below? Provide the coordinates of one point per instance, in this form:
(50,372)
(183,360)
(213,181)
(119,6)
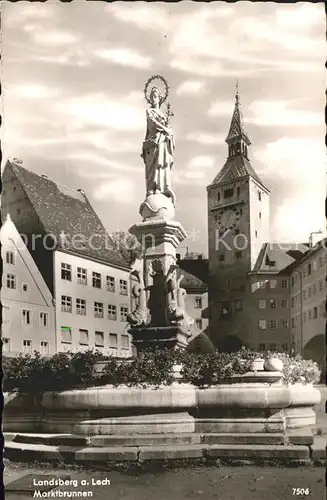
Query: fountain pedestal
(159,318)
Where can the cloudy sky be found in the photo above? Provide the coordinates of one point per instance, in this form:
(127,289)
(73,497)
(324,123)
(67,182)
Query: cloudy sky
(73,78)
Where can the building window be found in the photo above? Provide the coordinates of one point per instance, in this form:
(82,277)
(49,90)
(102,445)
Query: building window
(83,337)
(259,195)
(320,261)
(198,302)
(283,323)
(5,314)
(321,285)
(273,347)
(27,346)
(310,313)
(10,258)
(261,284)
(315,313)
(259,215)
(11,281)
(238,254)
(284,284)
(314,289)
(238,192)
(293,301)
(112,312)
(123,313)
(238,305)
(262,324)
(292,282)
(44,348)
(256,234)
(272,324)
(285,347)
(284,304)
(81,307)
(44,319)
(309,292)
(273,283)
(304,295)
(26,317)
(96,280)
(5,345)
(229,193)
(198,323)
(218,196)
(99,339)
(123,287)
(273,304)
(66,303)
(293,322)
(66,272)
(66,335)
(110,282)
(309,269)
(304,317)
(262,304)
(98,309)
(81,276)
(125,342)
(25,287)
(225,309)
(221,257)
(262,347)
(113,340)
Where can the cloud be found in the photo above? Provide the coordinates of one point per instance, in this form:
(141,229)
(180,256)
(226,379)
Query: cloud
(54,37)
(125,57)
(291,158)
(304,18)
(201,162)
(205,138)
(97,109)
(144,16)
(119,190)
(221,108)
(190,87)
(33,91)
(277,113)
(194,175)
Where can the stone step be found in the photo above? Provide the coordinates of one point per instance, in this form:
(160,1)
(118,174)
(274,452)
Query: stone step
(318,448)
(293,436)
(244,438)
(30,451)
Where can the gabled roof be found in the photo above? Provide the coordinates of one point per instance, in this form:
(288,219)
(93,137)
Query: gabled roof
(195,273)
(65,211)
(237,129)
(278,257)
(237,167)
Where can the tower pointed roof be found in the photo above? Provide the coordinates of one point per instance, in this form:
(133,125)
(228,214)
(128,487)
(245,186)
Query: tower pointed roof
(237,165)
(237,129)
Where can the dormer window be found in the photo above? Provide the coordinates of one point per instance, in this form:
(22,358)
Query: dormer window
(218,196)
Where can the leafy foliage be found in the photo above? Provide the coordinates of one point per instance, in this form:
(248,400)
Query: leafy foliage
(33,373)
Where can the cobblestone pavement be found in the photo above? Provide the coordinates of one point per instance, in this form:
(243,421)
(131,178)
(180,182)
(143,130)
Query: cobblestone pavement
(225,483)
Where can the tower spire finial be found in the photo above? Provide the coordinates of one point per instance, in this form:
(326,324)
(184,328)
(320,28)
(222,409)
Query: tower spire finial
(237,96)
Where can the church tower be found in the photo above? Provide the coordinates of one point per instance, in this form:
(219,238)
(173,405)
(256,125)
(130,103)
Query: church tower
(238,225)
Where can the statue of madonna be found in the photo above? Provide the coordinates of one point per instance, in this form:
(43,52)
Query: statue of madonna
(158,148)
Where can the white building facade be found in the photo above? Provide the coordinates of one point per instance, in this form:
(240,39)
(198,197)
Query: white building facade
(28,317)
(92,302)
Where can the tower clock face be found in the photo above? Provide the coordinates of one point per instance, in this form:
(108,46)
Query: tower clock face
(228,219)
